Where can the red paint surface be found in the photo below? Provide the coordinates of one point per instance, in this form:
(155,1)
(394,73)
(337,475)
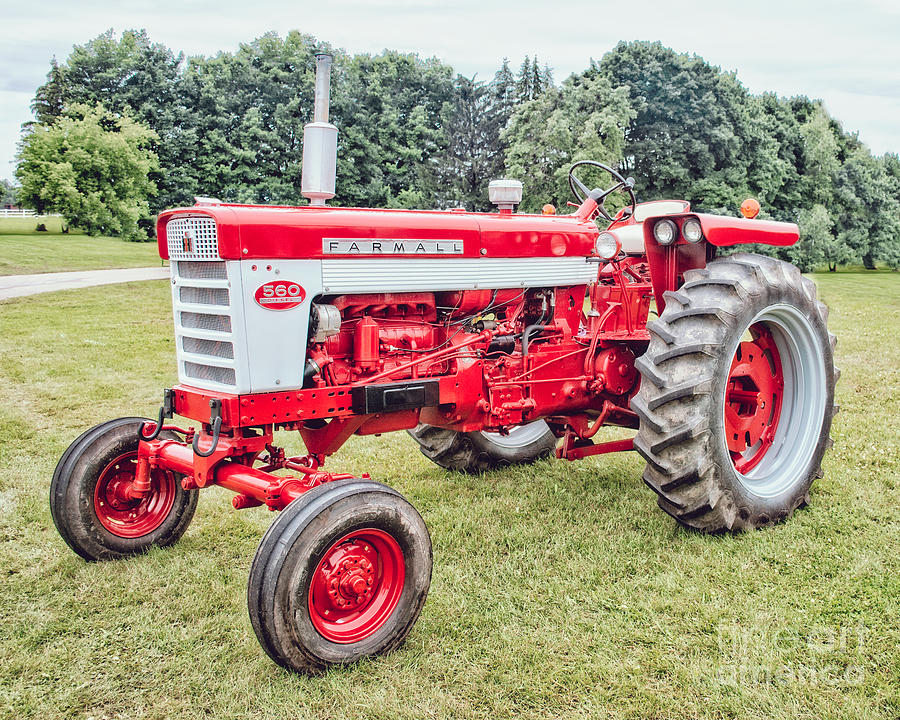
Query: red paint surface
(753,397)
(356,586)
(126,516)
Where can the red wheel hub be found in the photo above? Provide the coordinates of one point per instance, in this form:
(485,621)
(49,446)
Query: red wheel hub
(356,586)
(753,396)
(124,515)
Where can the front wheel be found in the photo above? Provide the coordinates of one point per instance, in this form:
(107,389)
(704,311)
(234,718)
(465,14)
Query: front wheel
(90,501)
(340,575)
(737,394)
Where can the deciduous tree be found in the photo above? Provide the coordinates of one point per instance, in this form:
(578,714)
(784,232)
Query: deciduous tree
(134,76)
(584,119)
(93,168)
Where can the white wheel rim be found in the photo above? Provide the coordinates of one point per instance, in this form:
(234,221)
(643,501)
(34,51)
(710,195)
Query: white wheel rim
(519,437)
(802,406)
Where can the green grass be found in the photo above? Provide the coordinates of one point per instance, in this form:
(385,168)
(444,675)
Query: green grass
(559,590)
(27,225)
(23,251)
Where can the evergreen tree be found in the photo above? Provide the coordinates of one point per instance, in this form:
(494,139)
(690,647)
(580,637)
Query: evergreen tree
(474,154)
(503,90)
(524,82)
(391,115)
(50,98)
(537,80)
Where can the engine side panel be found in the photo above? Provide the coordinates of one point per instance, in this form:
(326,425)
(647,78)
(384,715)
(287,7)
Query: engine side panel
(276,338)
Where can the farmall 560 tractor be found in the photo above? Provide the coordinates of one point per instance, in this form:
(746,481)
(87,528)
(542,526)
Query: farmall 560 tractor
(493,339)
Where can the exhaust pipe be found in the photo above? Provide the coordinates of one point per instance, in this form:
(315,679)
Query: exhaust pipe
(320,141)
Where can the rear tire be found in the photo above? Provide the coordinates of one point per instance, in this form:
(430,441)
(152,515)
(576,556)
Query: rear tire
(737,395)
(477,452)
(341,574)
(96,521)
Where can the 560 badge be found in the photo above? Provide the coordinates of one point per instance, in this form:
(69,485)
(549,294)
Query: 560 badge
(279,295)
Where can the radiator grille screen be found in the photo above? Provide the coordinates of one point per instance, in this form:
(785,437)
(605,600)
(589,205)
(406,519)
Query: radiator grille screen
(192,270)
(200,346)
(223,376)
(204,295)
(202,321)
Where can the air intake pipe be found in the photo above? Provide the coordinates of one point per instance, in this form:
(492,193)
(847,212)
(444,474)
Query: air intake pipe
(320,142)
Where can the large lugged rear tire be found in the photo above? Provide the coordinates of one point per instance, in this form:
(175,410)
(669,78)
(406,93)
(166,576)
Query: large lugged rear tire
(476,452)
(340,575)
(737,395)
(88,500)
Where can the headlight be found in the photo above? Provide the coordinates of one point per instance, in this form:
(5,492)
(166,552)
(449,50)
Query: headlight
(607,246)
(691,230)
(665,232)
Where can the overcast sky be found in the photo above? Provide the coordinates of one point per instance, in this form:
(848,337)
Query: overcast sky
(847,53)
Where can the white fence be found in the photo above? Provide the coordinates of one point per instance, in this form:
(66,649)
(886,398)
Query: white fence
(7,212)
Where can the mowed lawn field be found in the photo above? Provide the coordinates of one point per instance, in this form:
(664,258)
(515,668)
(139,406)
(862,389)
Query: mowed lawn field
(559,590)
(24,251)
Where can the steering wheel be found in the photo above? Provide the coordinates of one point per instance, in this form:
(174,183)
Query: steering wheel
(581,191)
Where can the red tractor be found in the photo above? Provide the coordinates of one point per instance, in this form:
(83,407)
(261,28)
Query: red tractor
(493,339)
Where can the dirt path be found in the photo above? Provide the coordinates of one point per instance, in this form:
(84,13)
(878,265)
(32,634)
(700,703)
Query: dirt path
(13,286)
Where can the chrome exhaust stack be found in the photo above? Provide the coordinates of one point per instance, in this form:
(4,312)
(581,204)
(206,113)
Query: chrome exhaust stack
(320,141)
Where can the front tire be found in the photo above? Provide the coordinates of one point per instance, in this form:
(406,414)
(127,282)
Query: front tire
(479,451)
(737,395)
(340,575)
(89,502)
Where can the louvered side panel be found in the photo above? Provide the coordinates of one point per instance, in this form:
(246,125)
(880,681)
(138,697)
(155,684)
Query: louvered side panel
(410,275)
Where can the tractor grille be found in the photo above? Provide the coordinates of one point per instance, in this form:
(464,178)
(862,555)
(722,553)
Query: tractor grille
(192,238)
(205,320)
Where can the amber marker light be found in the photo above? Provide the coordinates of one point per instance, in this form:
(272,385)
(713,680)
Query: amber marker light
(548,209)
(750,208)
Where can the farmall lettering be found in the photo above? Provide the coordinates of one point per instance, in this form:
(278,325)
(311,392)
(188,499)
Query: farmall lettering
(523,351)
(341,246)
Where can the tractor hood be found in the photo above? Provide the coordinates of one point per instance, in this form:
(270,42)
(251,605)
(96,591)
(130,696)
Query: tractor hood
(246,232)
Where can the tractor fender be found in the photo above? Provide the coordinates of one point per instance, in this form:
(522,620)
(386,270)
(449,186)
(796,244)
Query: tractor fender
(724,231)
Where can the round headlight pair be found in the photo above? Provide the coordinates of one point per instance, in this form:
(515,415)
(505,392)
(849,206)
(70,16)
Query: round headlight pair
(665,232)
(607,246)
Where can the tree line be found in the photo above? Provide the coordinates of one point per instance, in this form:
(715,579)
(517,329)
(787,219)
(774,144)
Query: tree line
(126,127)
